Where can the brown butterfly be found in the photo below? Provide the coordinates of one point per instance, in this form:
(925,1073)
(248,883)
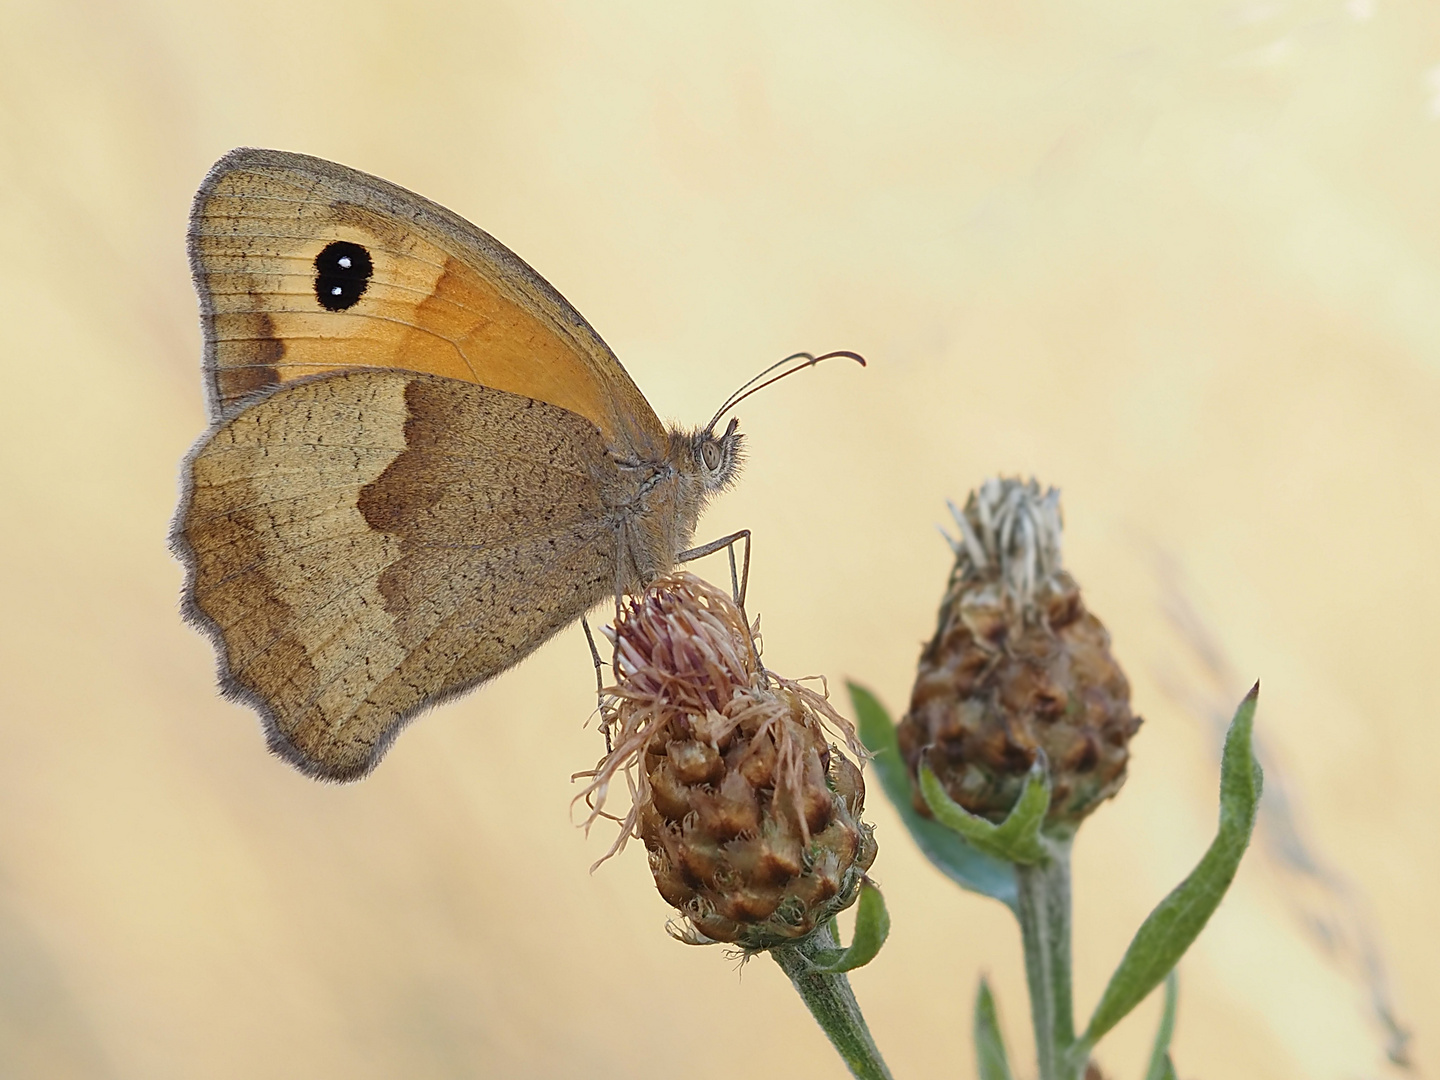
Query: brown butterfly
(422,463)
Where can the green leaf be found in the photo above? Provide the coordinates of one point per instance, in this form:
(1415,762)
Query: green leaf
(989,1043)
(872,927)
(1178,919)
(1017,838)
(952,856)
(1160,1064)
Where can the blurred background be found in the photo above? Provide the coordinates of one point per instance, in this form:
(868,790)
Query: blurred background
(1181,260)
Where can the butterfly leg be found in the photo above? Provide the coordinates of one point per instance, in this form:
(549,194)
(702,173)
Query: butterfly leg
(738,586)
(599,680)
(739,583)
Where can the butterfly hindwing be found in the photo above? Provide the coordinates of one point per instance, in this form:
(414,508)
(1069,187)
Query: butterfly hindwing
(364,544)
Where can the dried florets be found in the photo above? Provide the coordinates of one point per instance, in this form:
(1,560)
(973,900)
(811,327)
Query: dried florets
(750,814)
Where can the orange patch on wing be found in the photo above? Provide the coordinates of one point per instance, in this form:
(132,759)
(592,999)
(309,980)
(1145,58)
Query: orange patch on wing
(441,297)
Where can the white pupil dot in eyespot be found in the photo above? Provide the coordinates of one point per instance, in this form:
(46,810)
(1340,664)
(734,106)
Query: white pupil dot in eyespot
(336,291)
(344,262)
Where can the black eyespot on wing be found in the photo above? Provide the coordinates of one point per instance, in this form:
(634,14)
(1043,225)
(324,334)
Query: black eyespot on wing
(342,274)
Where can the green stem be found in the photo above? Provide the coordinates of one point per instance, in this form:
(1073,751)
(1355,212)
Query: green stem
(1044,911)
(832,1003)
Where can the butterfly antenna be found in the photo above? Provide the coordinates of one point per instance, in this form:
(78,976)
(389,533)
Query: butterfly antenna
(806,360)
(730,401)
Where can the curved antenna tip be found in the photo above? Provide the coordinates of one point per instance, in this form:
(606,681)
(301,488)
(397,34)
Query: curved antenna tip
(807,360)
(841,352)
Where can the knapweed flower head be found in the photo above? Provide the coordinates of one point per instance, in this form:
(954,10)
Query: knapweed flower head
(750,815)
(1017,666)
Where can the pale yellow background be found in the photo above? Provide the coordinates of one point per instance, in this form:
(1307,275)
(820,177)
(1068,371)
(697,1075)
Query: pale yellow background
(1180,259)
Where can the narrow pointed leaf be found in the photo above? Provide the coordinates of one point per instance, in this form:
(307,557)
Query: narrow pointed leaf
(1160,1066)
(960,862)
(1175,923)
(872,927)
(990,1056)
(1016,839)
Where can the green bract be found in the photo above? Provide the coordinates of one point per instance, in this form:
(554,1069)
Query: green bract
(1017,839)
(872,927)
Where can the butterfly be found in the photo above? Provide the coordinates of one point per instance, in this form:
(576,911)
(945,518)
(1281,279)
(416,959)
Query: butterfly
(422,462)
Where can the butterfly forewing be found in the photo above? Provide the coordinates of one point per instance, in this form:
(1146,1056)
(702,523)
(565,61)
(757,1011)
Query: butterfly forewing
(305,267)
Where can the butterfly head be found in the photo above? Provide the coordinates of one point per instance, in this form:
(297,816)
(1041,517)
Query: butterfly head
(718,457)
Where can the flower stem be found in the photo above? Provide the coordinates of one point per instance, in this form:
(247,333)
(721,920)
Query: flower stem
(1044,911)
(832,1003)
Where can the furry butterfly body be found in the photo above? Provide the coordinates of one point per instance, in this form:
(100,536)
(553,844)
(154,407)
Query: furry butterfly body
(423,462)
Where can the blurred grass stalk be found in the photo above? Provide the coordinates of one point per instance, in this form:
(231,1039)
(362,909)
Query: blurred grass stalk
(1331,911)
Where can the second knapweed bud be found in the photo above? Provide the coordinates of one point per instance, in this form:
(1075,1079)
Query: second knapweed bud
(1017,666)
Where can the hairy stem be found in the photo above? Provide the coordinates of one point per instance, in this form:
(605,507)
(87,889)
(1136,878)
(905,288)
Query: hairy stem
(832,1003)
(1044,911)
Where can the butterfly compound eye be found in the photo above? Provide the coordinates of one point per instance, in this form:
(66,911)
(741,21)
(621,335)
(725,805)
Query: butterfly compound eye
(710,451)
(342,274)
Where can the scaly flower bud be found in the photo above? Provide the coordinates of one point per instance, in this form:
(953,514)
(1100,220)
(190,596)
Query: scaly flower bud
(751,817)
(1017,665)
